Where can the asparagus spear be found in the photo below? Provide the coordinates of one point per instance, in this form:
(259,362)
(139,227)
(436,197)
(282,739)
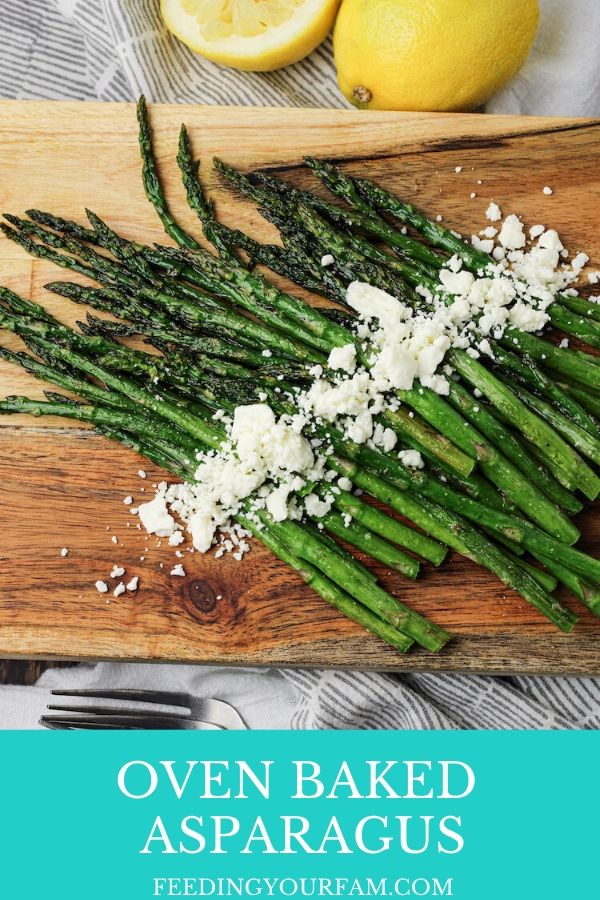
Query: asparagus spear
(373,197)
(191,314)
(495,465)
(377,548)
(197,201)
(379,523)
(581,440)
(569,468)
(329,590)
(528,372)
(501,437)
(151,181)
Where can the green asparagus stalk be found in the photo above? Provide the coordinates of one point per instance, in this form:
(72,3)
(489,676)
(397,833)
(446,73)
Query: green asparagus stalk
(569,468)
(203,208)
(502,438)
(574,364)
(396,532)
(151,181)
(362,220)
(343,573)
(328,590)
(376,547)
(581,440)
(528,372)
(373,197)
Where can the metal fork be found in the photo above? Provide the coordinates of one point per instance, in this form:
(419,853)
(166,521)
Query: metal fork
(193,714)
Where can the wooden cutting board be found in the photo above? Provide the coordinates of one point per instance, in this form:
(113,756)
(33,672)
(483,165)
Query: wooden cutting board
(62,486)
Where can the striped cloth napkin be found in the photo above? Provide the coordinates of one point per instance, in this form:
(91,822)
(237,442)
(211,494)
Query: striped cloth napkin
(117,49)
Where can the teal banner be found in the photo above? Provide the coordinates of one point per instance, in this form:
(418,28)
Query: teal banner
(470,815)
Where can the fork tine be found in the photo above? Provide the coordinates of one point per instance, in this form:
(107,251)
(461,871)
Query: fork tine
(167,698)
(158,723)
(113,711)
(68,725)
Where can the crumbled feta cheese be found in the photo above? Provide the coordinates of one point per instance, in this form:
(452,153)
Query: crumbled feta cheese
(132,585)
(327,260)
(178,570)
(277,502)
(489,232)
(315,506)
(486,246)
(128,500)
(578,262)
(176,538)
(343,358)
(458,169)
(120,589)
(411,458)
(511,234)
(267,353)
(142,473)
(564,343)
(548,190)
(156,518)
(64,552)
(102,587)
(493,213)
(117,571)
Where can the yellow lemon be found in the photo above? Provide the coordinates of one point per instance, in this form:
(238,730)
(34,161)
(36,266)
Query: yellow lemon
(256,35)
(430,54)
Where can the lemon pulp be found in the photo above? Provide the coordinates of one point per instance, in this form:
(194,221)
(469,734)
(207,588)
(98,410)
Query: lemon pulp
(257,35)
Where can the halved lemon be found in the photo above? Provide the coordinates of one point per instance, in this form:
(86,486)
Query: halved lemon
(256,35)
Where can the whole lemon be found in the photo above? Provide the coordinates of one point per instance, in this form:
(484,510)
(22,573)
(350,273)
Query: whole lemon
(430,54)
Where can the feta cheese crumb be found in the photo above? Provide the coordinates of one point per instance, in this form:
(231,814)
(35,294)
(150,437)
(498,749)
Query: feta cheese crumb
(548,190)
(343,358)
(142,473)
(315,506)
(114,539)
(511,234)
(128,500)
(102,587)
(458,169)
(327,260)
(178,570)
(411,458)
(64,552)
(564,343)
(156,518)
(120,589)
(267,353)
(117,571)
(133,584)
(493,212)
(578,262)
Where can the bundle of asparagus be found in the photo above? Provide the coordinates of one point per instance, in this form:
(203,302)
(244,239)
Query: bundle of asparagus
(506,450)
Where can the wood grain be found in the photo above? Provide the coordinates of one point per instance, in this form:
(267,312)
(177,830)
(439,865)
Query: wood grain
(62,486)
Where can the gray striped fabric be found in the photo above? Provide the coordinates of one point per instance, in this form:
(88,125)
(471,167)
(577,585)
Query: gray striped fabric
(111,50)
